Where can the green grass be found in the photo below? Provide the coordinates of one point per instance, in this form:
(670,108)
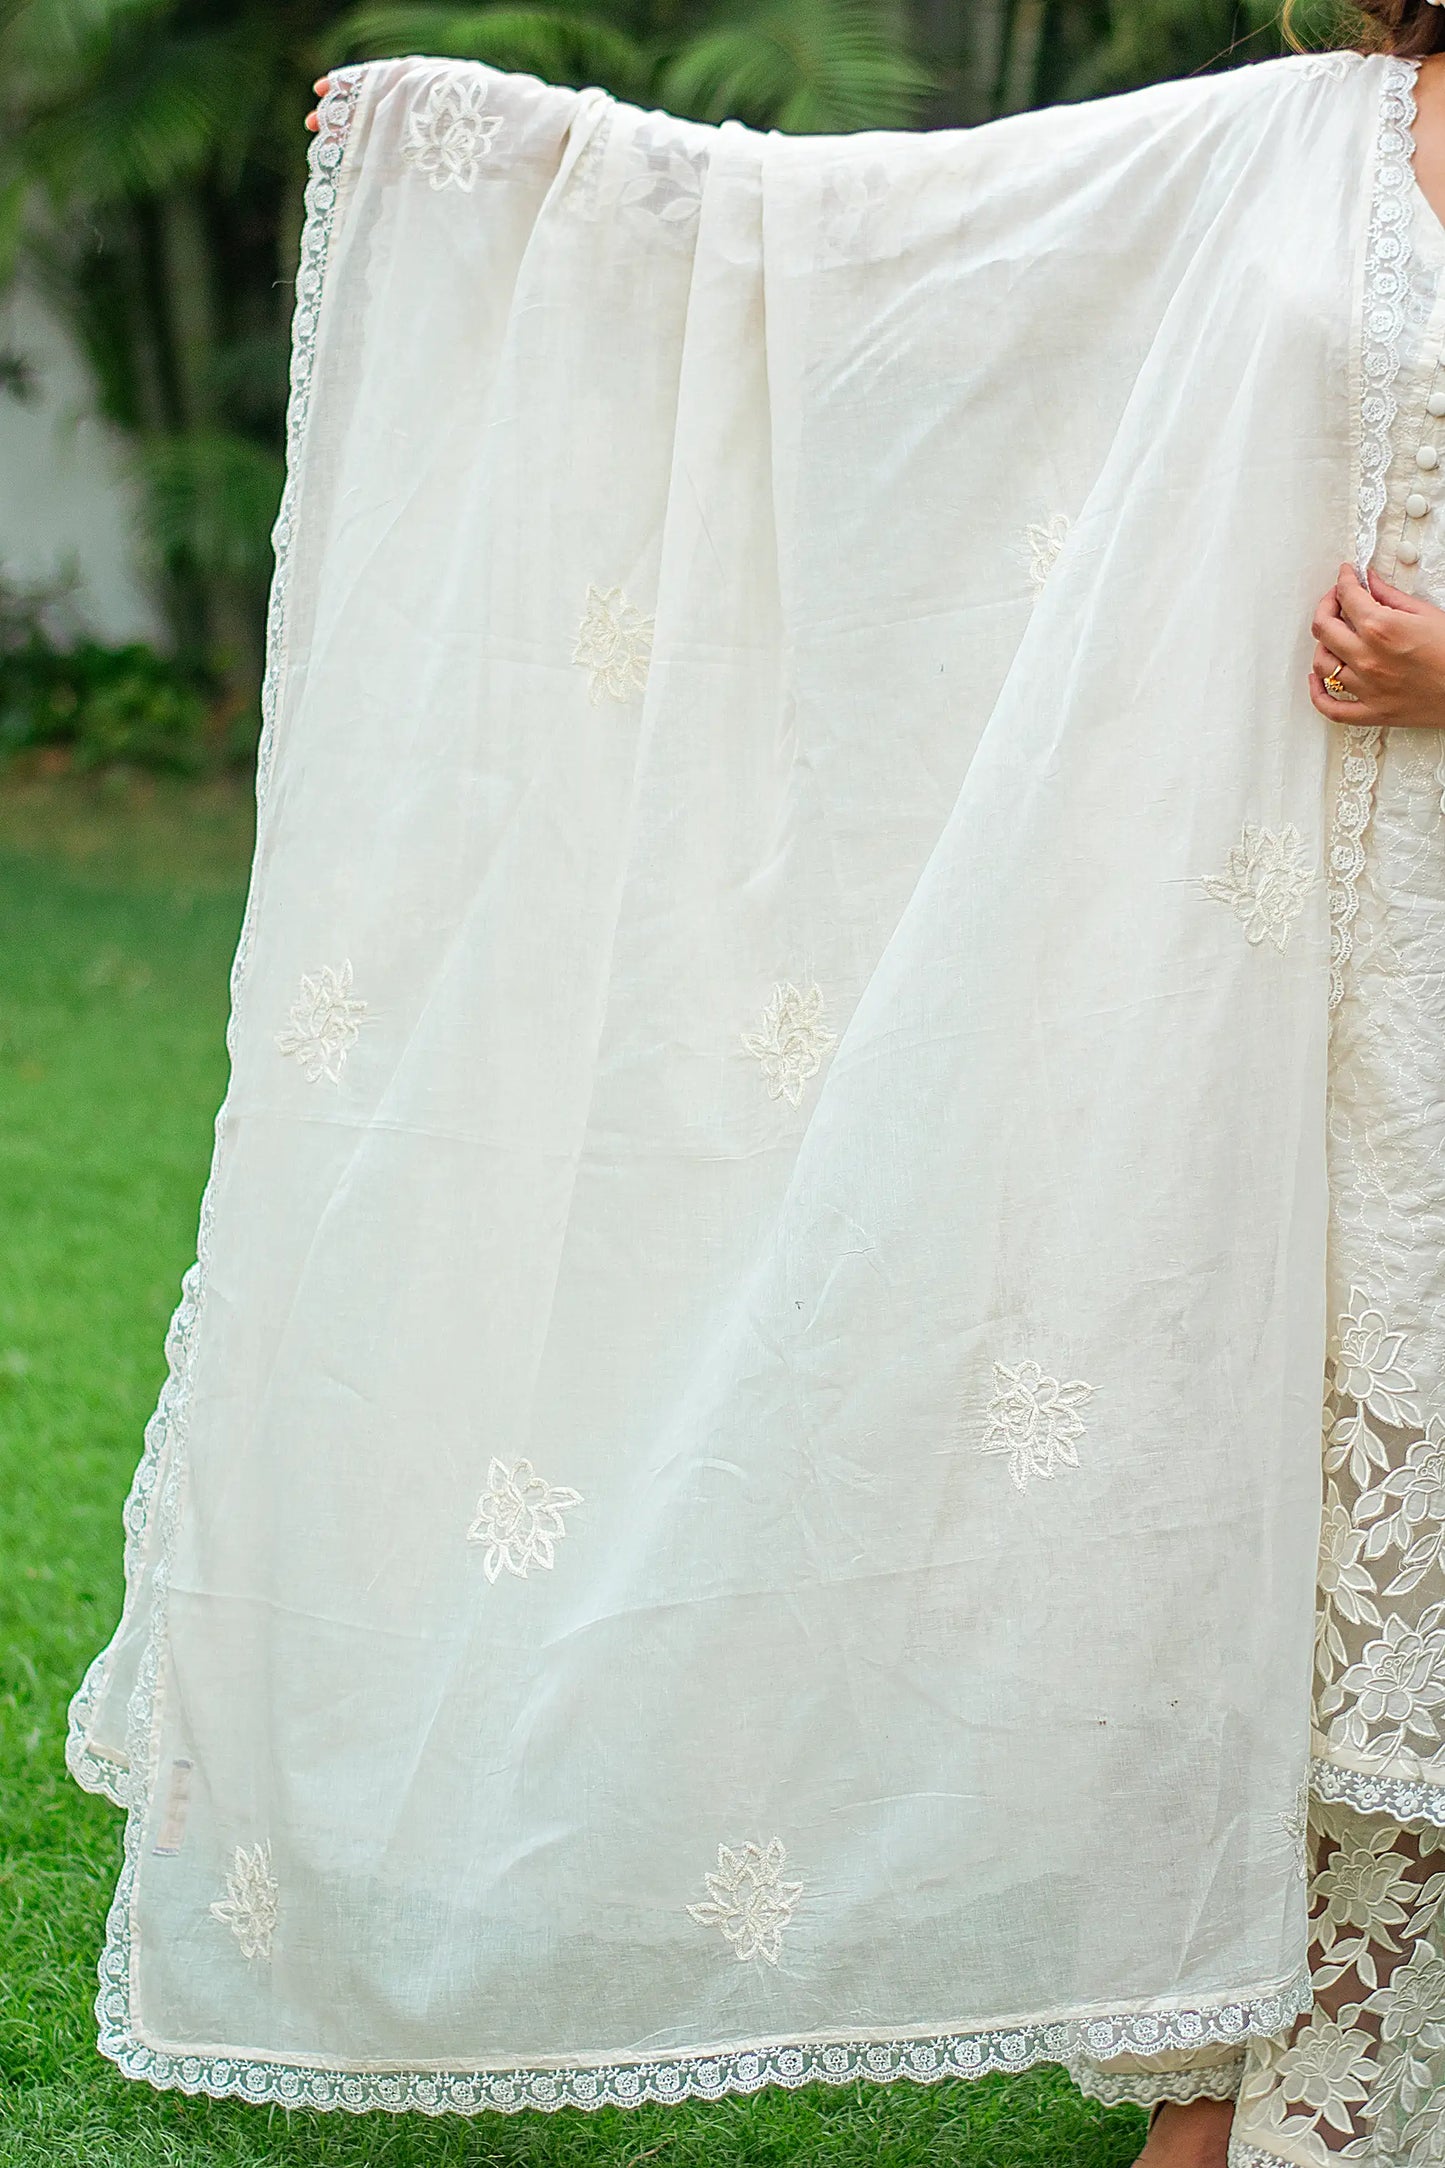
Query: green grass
(119,906)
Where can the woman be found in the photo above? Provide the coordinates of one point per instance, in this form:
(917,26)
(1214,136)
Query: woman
(788,772)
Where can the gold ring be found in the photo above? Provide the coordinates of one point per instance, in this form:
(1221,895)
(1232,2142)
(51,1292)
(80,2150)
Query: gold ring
(1335,684)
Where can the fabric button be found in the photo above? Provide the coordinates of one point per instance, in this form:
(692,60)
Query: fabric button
(1427,457)
(1407,553)
(1416,505)
(1435,404)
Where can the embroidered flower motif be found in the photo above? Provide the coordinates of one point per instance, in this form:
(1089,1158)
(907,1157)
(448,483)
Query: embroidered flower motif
(1342,1580)
(1360,1885)
(1264,883)
(448,134)
(519,1518)
(671,188)
(1044,544)
(1331,66)
(1416,1526)
(1035,1420)
(1400,1676)
(614,643)
(1367,1364)
(791,1040)
(749,1900)
(1412,2007)
(324,1024)
(249,1905)
(1327,2067)
(1296,1821)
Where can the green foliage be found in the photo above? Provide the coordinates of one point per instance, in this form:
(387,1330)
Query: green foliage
(107,705)
(807,66)
(558,44)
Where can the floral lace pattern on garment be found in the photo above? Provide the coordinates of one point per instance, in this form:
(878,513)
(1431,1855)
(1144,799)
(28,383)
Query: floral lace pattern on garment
(324,1023)
(1265,882)
(519,1519)
(1035,1420)
(449,134)
(249,1905)
(1361,2078)
(791,1040)
(1380,1638)
(614,645)
(748,1900)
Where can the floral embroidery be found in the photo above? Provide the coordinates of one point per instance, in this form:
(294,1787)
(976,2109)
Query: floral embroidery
(324,1024)
(1367,1366)
(1360,2079)
(1264,883)
(1035,1420)
(1328,2068)
(249,1905)
(614,643)
(749,1900)
(1419,1486)
(791,1040)
(1044,545)
(519,1519)
(448,135)
(671,187)
(1295,1821)
(1397,1681)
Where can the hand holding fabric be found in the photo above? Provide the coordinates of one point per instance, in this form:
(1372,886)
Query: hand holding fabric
(1386,648)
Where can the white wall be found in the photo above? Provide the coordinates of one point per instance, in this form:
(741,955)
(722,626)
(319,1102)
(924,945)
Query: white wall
(65,499)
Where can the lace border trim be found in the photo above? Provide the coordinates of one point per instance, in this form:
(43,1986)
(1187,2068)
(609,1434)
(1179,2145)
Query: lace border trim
(92,1771)
(698,2077)
(1150,2088)
(1251,2156)
(1404,1799)
(1382,315)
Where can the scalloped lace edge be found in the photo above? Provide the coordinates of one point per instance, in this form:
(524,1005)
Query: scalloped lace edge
(1403,1799)
(93,1771)
(1070,2041)
(1150,2088)
(1382,320)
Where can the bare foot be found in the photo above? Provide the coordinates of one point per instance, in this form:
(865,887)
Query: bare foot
(1192,2137)
(313,119)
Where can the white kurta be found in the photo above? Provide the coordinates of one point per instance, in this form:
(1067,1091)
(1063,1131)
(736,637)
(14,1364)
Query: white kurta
(739,1489)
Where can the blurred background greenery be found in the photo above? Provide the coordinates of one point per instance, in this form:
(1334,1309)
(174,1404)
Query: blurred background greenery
(151,171)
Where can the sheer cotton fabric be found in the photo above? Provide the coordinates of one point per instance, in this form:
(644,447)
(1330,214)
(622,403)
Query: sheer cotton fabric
(738,1492)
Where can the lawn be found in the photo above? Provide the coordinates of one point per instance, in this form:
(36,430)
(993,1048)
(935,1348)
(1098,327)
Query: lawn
(119,905)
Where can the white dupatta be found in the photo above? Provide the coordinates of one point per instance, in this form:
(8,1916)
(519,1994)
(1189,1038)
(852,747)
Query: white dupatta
(738,1491)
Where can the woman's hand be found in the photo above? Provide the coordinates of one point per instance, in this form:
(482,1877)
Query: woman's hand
(1387,648)
(313,119)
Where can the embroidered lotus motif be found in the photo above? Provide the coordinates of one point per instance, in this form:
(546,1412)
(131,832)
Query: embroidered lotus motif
(323,1026)
(748,1900)
(249,1905)
(1264,883)
(791,1040)
(1328,2068)
(448,134)
(1035,1420)
(1367,1366)
(1400,1678)
(519,1519)
(1044,544)
(614,644)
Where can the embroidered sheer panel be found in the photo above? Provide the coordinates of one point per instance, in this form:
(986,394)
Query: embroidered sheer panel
(826,1013)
